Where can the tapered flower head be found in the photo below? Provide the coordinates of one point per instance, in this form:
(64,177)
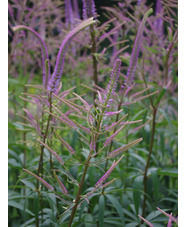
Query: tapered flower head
(41,180)
(89,9)
(136,49)
(54,81)
(158,23)
(112,85)
(107,174)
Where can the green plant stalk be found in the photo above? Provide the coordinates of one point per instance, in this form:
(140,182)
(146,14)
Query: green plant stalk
(80,189)
(145,179)
(84,173)
(155,109)
(93,51)
(40,166)
(24,133)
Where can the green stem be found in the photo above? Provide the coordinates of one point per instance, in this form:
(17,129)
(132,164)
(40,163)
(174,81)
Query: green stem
(145,179)
(80,189)
(40,167)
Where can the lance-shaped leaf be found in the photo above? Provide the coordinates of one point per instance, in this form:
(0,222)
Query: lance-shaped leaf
(44,52)
(41,180)
(59,159)
(68,147)
(53,83)
(123,148)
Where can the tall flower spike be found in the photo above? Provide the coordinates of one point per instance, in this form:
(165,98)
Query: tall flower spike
(107,174)
(69,18)
(170,221)
(112,85)
(136,48)
(41,180)
(148,223)
(53,83)
(111,138)
(89,9)
(158,23)
(168,215)
(93,144)
(68,147)
(59,159)
(76,9)
(123,148)
(63,189)
(44,52)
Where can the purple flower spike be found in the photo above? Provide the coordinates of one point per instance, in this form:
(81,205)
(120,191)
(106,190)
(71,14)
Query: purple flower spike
(76,9)
(59,159)
(107,174)
(109,114)
(69,18)
(111,138)
(136,48)
(44,51)
(63,189)
(170,221)
(68,147)
(41,180)
(89,9)
(93,144)
(54,81)
(158,23)
(123,148)
(112,85)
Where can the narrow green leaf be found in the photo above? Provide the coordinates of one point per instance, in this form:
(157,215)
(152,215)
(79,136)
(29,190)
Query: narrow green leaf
(101,210)
(155,185)
(19,206)
(137,185)
(88,220)
(117,206)
(166,117)
(160,96)
(168,172)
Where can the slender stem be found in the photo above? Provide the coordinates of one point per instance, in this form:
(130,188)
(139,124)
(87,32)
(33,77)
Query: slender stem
(80,189)
(40,167)
(148,161)
(24,133)
(93,51)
